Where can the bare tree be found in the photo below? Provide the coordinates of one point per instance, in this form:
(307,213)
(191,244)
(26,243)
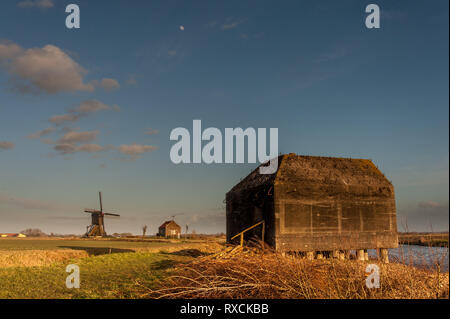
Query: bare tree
(144,230)
(33,232)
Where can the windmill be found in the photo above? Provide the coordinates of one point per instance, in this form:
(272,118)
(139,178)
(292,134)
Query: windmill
(97,227)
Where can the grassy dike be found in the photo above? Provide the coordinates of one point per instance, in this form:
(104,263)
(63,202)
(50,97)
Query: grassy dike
(36,268)
(103,276)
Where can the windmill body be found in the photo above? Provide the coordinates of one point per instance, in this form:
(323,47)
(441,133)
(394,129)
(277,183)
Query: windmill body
(97,227)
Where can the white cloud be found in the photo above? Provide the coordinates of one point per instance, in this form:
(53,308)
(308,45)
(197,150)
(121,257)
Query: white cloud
(59,119)
(232,24)
(431,204)
(107,84)
(48,69)
(84,108)
(71,139)
(41,133)
(78,137)
(151,131)
(90,106)
(90,148)
(70,148)
(74,141)
(43,4)
(65,148)
(134,151)
(8,51)
(48,141)
(6,145)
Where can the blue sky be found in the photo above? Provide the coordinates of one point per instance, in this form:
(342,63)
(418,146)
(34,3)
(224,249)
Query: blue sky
(310,68)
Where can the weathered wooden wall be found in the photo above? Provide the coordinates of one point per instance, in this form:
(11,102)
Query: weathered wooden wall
(317,203)
(167,229)
(247,208)
(328,204)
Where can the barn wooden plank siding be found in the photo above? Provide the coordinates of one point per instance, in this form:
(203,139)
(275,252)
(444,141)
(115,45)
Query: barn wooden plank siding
(316,204)
(169,229)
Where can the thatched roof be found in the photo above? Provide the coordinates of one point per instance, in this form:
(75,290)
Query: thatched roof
(255,179)
(300,169)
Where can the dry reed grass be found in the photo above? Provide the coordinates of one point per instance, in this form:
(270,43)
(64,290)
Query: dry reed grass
(238,273)
(32,258)
(203,247)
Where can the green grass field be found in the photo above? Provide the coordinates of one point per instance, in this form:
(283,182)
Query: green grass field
(105,276)
(108,268)
(55,244)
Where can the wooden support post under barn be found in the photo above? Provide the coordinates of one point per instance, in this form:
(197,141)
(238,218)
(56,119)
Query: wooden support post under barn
(384,255)
(347,254)
(316,204)
(360,255)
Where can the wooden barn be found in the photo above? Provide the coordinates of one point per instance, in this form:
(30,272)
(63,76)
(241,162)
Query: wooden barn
(169,229)
(317,205)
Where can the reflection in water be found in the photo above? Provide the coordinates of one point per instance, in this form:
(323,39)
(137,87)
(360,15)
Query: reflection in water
(420,256)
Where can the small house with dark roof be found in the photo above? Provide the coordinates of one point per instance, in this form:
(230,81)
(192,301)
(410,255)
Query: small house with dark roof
(315,204)
(169,229)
